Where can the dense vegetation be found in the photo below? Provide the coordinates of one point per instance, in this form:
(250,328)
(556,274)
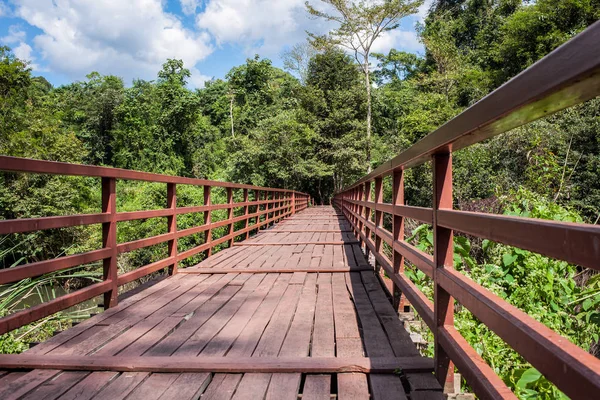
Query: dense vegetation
(264,126)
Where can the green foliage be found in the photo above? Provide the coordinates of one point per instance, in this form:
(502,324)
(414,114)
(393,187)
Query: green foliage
(546,289)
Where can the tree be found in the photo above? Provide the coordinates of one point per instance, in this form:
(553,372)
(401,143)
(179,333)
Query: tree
(297,58)
(360,24)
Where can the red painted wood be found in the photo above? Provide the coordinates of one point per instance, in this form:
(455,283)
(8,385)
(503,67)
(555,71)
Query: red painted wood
(109,240)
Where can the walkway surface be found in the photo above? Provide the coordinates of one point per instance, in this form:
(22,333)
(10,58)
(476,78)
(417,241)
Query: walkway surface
(301,289)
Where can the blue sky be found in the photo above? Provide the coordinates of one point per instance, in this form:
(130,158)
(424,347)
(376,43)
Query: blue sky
(66,39)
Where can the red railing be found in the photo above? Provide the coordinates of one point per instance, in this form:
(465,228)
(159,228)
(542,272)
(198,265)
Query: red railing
(568,76)
(276,204)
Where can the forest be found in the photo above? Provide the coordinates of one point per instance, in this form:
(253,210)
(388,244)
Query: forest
(303,128)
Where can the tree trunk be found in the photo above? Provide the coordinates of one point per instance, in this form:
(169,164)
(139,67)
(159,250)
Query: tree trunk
(368,86)
(231,116)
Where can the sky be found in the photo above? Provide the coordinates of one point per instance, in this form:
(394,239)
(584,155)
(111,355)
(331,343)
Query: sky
(64,40)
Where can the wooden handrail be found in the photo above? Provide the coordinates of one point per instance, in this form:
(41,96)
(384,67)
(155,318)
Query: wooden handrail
(277,203)
(568,76)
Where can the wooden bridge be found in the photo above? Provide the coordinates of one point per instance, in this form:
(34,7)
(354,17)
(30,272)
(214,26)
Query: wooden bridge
(291,307)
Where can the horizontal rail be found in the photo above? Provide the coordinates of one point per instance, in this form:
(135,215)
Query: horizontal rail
(271,205)
(23,225)
(17,164)
(486,383)
(569,367)
(14,274)
(572,242)
(29,315)
(312,365)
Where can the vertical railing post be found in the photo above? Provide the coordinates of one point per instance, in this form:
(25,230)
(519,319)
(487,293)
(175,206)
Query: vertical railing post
(262,196)
(378,218)
(257,200)
(293,203)
(273,206)
(207,220)
(398,231)
(172,225)
(367,216)
(276,216)
(109,240)
(443,258)
(361,192)
(246,209)
(230,214)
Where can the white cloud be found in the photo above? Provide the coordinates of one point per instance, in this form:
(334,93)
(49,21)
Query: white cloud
(397,39)
(15,35)
(197,79)
(23,51)
(424,10)
(263,26)
(128,38)
(189,7)
(4,10)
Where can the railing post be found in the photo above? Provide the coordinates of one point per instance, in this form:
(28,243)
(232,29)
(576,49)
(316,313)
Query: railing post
(443,258)
(293,203)
(378,218)
(398,232)
(246,208)
(273,206)
(207,220)
(257,200)
(360,194)
(260,196)
(230,214)
(172,225)
(276,207)
(367,216)
(109,240)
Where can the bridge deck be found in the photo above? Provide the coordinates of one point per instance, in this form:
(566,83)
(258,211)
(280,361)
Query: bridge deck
(300,289)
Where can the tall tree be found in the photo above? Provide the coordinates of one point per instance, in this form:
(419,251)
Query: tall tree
(360,24)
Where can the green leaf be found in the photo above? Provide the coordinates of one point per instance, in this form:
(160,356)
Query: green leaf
(529,376)
(485,245)
(587,304)
(508,259)
(509,278)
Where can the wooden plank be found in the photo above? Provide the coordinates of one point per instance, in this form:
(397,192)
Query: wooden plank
(153,387)
(87,388)
(202,314)
(296,343)
(323,343)
(326,243)
(268,364)
(348,341)
(187,386)
(54,388)
(375,340)
(386,387)
(222,387)
(121,386)
(219,345)
(246,342)
(317,387)
(196,342)
(252,386)
(272,340)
